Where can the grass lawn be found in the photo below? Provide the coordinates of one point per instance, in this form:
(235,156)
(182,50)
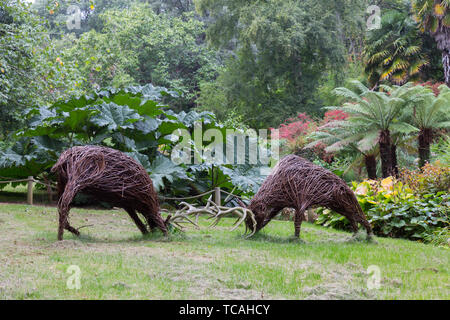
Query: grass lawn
(116,262)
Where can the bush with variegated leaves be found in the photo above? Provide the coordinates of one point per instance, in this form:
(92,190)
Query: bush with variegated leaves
(394,209)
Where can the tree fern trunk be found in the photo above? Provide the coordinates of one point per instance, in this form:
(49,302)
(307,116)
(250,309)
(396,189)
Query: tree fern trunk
(446,64)
(371,166)
(394,160)
(385,153)
(425,139)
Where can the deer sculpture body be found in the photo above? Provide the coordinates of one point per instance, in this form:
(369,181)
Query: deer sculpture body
(110,176)
(299,184)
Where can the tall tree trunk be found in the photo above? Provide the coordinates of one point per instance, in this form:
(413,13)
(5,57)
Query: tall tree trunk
(371,166)
(446,64)
(385,153)
(425,139)
(394,160)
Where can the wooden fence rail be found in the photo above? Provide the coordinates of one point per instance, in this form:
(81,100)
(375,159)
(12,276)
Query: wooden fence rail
(30,184)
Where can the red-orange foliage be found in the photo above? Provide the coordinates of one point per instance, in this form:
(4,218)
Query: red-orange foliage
(294,130)
(433,86)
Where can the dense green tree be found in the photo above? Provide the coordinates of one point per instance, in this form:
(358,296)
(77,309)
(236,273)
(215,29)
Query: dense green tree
(57,14)
(138,46)
(31,68)
(174,7)
(399,5)
(279,52)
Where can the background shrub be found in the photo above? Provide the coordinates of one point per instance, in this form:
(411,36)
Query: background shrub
(396,210)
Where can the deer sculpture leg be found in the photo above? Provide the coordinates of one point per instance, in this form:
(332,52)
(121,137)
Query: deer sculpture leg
(160,224)
(351,218)
(155,221)
(298,219)
(354,219)
(133,215)
(354,225)
(63,210)
(367,226)
(68,227)
(151,224)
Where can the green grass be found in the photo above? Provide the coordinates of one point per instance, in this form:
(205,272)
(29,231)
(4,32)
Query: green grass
(116,262)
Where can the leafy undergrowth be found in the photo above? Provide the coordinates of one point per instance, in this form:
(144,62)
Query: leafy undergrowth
(394,209)
(116,262)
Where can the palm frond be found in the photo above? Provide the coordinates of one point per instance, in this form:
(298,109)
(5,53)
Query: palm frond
(347,93)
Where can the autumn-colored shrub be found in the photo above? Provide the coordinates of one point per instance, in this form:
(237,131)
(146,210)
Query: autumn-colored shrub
(433,86)
(295,131)
(293,128)
(333,115)
(430,178)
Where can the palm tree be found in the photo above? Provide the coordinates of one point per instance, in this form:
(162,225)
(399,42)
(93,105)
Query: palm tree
(377,111)
(427,112)
(394,52)
(433,16)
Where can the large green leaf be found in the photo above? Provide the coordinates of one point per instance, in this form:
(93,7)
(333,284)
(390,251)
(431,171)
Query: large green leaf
(115,117)
(149,108)
(42,121)
(163,168)
(127,100)
(246,178)
(141,158)
(167,126)
(25,158)
(74,103)
(76,118)
(147,125)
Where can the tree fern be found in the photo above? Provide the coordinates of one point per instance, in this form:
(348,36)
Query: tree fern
(374,116)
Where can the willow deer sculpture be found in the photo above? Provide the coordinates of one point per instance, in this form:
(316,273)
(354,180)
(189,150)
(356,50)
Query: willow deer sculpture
(299,184)
(110,176)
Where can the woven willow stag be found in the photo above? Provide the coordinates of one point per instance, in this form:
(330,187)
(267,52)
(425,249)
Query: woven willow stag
(110,176)
(299,184)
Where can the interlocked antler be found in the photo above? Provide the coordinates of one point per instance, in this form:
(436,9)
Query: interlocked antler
(188,210)
(215,211)
(242,214)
